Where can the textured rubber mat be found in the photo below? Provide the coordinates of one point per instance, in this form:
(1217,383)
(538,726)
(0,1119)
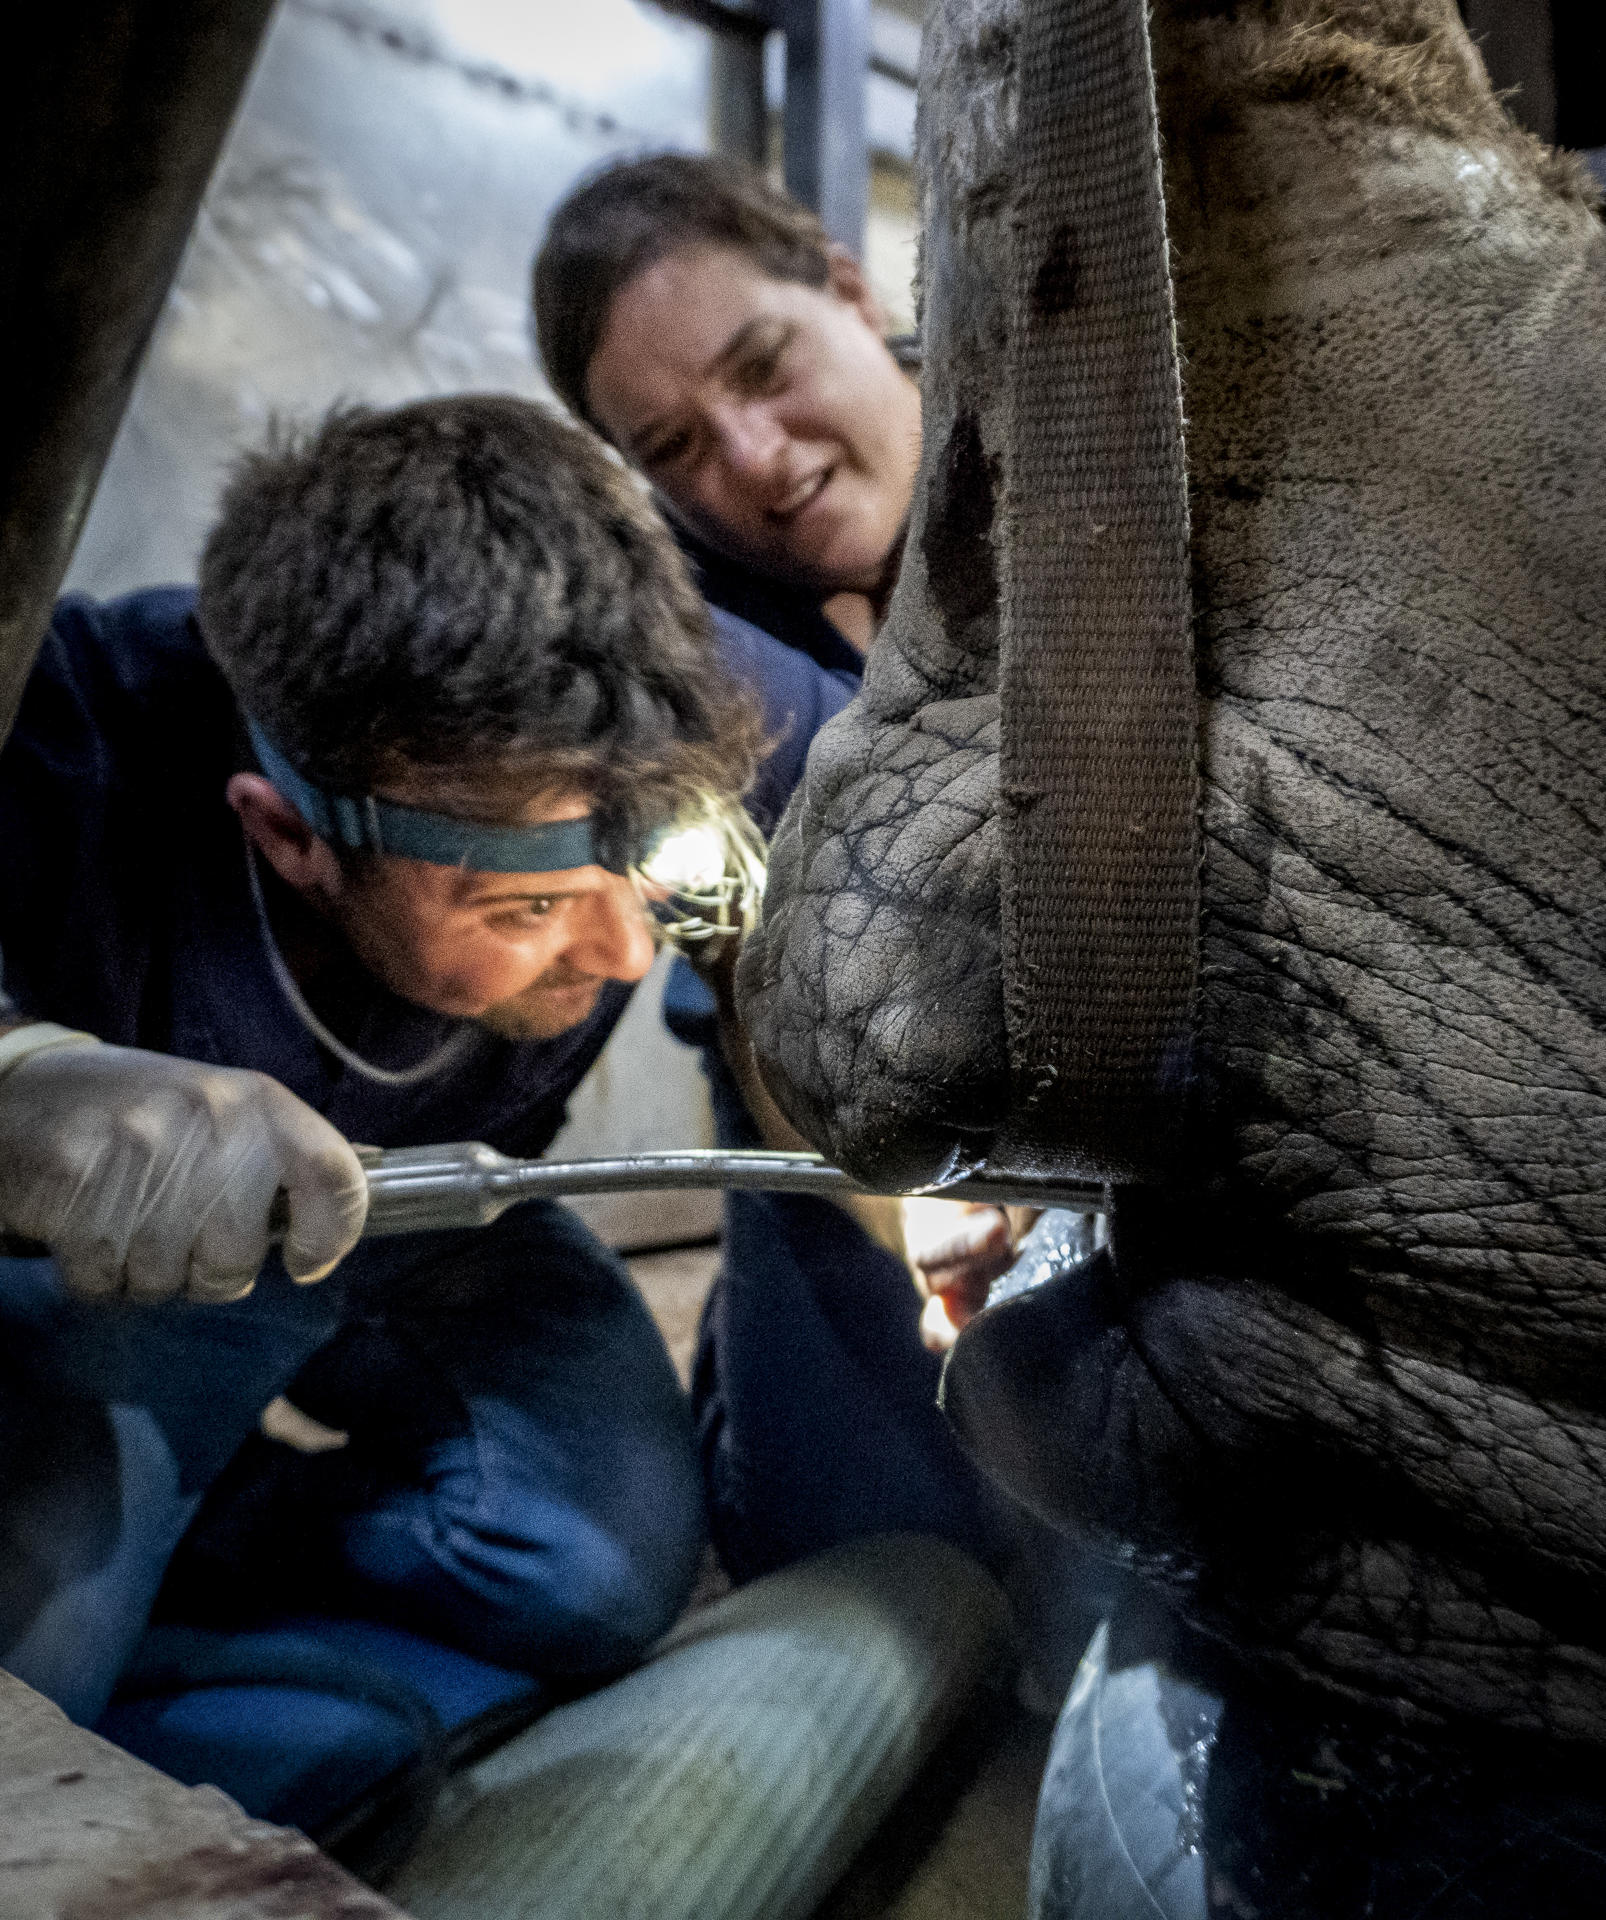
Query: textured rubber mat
(737,1773)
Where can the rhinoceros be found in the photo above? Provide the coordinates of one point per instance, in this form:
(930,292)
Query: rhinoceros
(1338,1387)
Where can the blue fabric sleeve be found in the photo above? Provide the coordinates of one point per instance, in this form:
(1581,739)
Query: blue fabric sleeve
(60,854)
(797,697)
(120,698)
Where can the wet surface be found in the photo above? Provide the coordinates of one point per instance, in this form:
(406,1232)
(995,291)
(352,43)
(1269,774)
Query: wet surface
(1161,1801)
(1284,1805)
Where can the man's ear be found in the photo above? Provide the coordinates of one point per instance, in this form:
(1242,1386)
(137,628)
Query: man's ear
(845,278)
(299,857)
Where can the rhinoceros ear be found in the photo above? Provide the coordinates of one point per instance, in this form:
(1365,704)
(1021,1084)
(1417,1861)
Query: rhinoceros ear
(1099,797)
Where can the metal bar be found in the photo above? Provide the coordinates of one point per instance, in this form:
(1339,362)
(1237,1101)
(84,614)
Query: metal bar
(894,46)
(825,137)
(892,68)
(110,122)
(467,1184)
(739,124)
(825,144)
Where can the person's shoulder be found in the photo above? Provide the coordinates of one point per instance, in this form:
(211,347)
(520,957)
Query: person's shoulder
(796,695)
(140,655)
(133,642)
(123,695)
(772,667)
(788,614)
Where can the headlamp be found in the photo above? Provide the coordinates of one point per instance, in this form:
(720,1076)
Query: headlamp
(362,824)
(702,875)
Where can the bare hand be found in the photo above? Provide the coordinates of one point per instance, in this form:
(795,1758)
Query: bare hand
(956,1255)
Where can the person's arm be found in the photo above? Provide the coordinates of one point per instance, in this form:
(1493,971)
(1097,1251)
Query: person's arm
(149,1176)
(145,1175)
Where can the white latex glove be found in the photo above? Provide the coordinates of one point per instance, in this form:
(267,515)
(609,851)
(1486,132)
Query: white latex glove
(150,1176)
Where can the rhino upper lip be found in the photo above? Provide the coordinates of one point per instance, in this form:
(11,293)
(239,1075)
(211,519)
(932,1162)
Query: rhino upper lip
(805,491)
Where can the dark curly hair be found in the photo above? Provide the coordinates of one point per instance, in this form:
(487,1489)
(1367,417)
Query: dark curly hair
(472,590)
(633,214)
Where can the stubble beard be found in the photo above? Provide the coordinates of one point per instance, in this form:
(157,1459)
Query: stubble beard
(550,1006)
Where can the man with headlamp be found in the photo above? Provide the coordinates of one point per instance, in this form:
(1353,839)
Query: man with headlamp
(370,815)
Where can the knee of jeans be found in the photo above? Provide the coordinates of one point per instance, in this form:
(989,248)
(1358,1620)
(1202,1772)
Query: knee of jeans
(607,1600)
(545,1585)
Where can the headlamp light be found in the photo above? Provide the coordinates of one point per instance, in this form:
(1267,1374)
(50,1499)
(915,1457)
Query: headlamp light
(701,875)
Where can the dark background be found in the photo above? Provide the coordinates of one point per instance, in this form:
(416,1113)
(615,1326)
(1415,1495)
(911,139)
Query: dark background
(1553,52)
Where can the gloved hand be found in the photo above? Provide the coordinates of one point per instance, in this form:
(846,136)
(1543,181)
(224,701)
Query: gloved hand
(153,1176)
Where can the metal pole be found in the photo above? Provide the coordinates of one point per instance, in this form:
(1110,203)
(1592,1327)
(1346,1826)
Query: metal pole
(467,1184)
(739,125)
(110,122)
(825,144)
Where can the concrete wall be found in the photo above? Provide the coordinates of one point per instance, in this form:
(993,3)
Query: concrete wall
(369,232)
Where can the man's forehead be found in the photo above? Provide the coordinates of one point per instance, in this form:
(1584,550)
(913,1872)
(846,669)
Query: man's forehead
(454,819)
(506,806)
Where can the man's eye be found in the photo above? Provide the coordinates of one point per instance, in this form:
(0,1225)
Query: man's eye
(537,907)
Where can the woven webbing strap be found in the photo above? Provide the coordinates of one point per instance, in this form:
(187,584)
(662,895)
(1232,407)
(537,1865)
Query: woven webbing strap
(1100,834)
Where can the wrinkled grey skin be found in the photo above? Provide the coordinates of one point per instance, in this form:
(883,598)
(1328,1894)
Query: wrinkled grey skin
(1342,1390)
(873,991)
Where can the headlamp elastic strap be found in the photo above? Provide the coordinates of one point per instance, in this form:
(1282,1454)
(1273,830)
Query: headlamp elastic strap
(365,824)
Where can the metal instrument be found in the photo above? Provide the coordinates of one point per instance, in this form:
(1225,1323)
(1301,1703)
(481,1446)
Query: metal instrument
(421,1189)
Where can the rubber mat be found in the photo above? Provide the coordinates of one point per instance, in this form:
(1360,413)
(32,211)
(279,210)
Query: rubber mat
(737,1773)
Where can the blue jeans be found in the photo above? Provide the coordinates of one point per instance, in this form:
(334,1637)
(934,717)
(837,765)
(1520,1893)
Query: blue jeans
(816,1403)
(521,1480)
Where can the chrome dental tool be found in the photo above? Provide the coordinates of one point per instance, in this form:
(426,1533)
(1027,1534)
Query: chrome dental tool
(419,1189)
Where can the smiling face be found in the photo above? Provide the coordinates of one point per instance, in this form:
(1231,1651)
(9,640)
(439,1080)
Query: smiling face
(524,954)
(768,413)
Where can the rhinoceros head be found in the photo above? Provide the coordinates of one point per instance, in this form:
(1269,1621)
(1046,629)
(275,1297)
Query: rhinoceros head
(1341,1385)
